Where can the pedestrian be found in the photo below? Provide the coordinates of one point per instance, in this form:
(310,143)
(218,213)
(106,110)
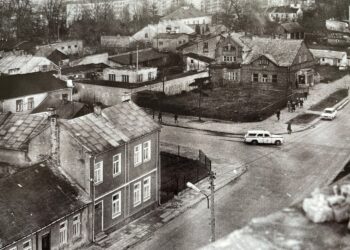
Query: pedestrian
(175,118)
(305,95)
(278,114)
(160,117)
(153,113)
(289,106)
(293,106)
(298,102)
(301,102)
(289,127)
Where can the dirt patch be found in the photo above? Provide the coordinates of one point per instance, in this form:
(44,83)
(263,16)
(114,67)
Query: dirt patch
(331,100)
(303,119)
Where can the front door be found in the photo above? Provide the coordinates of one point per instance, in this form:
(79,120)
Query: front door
(45,242)
(98,218)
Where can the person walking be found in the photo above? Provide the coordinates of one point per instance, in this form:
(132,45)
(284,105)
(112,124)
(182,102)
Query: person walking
(278,114)
(160,117)
(175,118)
(289,127)
(289,106)
(301,103)
(153,113)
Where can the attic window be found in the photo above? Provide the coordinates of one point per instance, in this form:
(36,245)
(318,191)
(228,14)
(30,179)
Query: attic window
(263,61)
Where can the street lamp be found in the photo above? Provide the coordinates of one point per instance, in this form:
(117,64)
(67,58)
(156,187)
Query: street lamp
(212,211)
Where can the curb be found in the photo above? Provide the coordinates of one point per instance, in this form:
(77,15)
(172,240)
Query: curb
(342,104)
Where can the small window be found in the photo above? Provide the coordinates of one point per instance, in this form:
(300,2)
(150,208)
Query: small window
(27,245)
(146,35)
(205,47)
(65,97)
(263,62)
(260,135)
(19,105)
(300,59)
(111,77)
(252,134)
(146,189)
(30,105)
(76,225)
(192,61)
(139,78)
(266,135)
(150,76)
(137,155)
(69,47)
(264,78)
(116,205)
(75,46)
(62,47)
(274,78)
(98,172)
(117,164)
(137,194)
(63,233)
(255,77)
(125,78)
(160,43)
(147,151)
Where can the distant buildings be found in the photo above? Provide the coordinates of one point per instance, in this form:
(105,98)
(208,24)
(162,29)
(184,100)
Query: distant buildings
(332,58)
(292,30)
(284,14)
(129,74)
(119,42)
(70,47)
(169,41)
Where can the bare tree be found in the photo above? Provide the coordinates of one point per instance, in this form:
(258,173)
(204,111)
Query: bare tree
(53,11)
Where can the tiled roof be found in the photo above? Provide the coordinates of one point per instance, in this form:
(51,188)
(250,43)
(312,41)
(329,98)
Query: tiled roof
(34,198)
(25,63)
(184,13)
(292,27)
(17,129)
(144,56)
(280,51)
(115,126)
(28,84)
(200,57)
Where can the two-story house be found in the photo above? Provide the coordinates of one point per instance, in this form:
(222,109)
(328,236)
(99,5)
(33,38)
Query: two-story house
(23,93)
(113,154)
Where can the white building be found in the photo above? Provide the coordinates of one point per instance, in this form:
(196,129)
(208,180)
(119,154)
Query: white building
(331,58)
(284,14)
(70,47)
(334,25)
(130,74)
(189,16)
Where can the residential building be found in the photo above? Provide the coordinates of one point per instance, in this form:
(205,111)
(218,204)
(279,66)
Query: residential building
(284,14)
(92,59)
(337,26)
(23,93)
(302,3)
(338,38)
(42,209)
(292,30)
(117,148)
(147,33)
(24,64)
(130,74)
(169,41)
(197,62)
(70,47)
(119,42)
(331,57)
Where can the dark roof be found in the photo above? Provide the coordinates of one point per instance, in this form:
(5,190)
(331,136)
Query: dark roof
(56,56)
(144,56)
(292,27)
(116,125)
(33,198)
(282,9)
(183,13)
(107,83)
(84,68)
(17,129)
(200,57)
(28,84)
(169,35)
(64,109)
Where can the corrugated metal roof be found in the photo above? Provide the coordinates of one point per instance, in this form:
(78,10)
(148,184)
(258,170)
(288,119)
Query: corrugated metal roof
(24,64)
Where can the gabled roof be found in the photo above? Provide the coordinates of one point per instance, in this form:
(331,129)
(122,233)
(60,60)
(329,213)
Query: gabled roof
(199,57)
(29,84)
(184,13)
(115,126)
(319,53)
(25,63)
(292,27)
(143,56)
(34,198)
(56,56)
(17,129)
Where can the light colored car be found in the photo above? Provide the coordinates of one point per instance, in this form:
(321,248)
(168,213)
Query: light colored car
(262,137)
(329,114)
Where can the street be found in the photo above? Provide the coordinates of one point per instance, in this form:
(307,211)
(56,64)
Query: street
(276,178)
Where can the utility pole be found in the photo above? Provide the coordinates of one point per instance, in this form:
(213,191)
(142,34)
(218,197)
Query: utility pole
(212,205)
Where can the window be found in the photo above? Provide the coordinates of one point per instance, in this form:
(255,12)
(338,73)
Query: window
(75,46)
(69,47)
(229,58)
(76,225)
(264,78)
(63,233)
(65,97)
(116,205)
(266,135)
(180,42)
(19,105)
(150,76)
(62,47)
(137,155)
(139,78)
(146,189)
(205,47)
(260,135)
(146,151)
(98,172)
(160,43)
(117,164)
(299,59)
(146,35)
(263,62)
(125,78)
(255,77)
(111,77)
(30,103)
(137,194)
(274,78)
(27,245)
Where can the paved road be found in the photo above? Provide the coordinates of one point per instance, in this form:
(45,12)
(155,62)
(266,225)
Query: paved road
(276,177)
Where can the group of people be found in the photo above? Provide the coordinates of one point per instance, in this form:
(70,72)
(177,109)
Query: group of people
(160,117)
(294,103)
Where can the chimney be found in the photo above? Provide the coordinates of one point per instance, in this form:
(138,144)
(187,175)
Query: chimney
(98,109)
(54,136)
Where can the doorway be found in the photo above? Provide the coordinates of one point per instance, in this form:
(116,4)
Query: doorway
(46,242)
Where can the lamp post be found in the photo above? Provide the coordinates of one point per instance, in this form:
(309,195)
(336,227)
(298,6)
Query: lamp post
(212,205)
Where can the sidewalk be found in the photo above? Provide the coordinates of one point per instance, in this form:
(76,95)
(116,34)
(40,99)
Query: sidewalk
(317,93)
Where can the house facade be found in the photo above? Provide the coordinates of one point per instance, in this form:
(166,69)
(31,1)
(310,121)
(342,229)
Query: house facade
(331,58)
(169,41)
(204,46)
(70,47)
(130,74)
(117,148)
(284,14)
(196,62)
(292,30)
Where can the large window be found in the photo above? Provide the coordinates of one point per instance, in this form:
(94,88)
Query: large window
(63,233)
(255,77)
(111,77)
(30,103)
(125,78)
(19,105)
(139,78)
(76,225)
(146,188)
(27,245)
(138,154)
(116,205)
(146,151)
(137,194)
(117,164)
(98,172)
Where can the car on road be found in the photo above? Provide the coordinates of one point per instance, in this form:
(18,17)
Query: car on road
(262,137)
(329,114)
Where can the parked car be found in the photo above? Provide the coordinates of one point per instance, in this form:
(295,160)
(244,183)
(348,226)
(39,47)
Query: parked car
(262,137)
(329,114)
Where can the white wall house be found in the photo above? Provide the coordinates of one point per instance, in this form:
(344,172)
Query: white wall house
(130,74)
(70,47)
(189,15)
(331,58)
(334,25)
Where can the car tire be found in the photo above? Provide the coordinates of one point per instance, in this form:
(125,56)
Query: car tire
(278,143)
(255,142)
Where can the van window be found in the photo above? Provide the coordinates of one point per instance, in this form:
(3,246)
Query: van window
(251,134)
(260,135)
(266,135)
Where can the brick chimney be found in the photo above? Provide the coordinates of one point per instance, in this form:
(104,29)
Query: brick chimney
(54,136)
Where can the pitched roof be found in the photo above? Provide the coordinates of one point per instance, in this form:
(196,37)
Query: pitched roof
(292,27)
(56,56)
(280,51)
(17,129)
(115,126)
(64,109)
(25,63)
(184,13)
(28,84)
(33,198)
(143,56)
(319,53)
(199,57)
